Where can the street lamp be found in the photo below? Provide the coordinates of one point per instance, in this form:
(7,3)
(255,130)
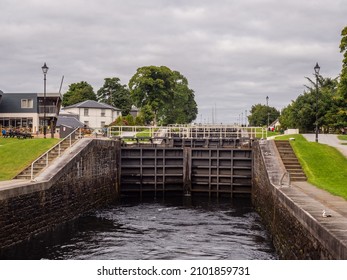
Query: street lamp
(268,113)
(316,71)
(44,70)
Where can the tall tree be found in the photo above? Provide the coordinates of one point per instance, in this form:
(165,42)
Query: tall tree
(78,92)
(261,114)
(163,91)
(115,94)
(342,87)
(301,113)
(183,108)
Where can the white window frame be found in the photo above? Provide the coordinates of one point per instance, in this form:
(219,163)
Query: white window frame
(27,103)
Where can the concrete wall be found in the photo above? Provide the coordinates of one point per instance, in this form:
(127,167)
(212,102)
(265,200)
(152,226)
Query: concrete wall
(84,178)
(293,218)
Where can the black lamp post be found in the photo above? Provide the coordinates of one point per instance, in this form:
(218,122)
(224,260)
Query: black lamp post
(44,70)
(316,71)
(268,113)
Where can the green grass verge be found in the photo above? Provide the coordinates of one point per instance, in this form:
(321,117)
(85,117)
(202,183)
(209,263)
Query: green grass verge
(17,154)
(144,133)
(325,166)
(342,137)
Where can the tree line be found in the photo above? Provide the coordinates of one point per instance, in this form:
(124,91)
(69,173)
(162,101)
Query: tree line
(162,96)
(331,112)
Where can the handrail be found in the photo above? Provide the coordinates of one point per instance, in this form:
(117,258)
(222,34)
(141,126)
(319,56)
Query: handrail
(281,180)
(191,131)
(46,154)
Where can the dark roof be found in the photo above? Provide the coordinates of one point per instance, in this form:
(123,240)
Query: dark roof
(69,121)
(92,104)
(11,102)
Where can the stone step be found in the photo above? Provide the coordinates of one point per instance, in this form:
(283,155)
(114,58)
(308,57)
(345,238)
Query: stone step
(42,163)
(24,177)
(290,161)
(296,171)
(286,156)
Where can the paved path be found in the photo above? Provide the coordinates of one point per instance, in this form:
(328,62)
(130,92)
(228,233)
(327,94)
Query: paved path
(329,139)
(332,202)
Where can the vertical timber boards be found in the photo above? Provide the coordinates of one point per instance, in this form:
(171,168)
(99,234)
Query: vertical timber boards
(221,171)
(212,171)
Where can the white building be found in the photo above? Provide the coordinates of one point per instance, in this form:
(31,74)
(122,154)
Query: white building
(94,114)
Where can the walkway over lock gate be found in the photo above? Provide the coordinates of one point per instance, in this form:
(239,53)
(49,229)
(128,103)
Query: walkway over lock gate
(211,166)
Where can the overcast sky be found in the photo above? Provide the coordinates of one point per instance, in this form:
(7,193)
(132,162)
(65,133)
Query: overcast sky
(233,52)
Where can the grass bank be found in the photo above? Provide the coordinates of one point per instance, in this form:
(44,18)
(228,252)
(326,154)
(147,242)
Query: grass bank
(16,154)
(324,165)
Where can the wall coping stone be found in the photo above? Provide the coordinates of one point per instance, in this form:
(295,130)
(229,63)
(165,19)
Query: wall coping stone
(48,176)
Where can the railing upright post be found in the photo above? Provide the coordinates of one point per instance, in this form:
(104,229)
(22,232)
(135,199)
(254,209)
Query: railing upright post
(32,172)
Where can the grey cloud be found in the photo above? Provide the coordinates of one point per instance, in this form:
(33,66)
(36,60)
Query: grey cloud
(233,52)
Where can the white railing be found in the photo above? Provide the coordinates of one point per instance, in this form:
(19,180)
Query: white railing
(188,131)
(45,156)
(288,176)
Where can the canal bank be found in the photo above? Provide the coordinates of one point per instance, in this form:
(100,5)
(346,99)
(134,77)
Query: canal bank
(84,178)
(87,177)
(293,212)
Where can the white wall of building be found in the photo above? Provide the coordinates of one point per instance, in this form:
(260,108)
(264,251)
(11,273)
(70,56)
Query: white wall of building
(34,116)
(95,117)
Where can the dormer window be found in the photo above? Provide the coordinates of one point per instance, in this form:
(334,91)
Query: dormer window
(27,103)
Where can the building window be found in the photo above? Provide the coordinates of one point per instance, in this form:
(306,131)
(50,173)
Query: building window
(86,112)
(27,103)
(103,124)
(86,123)
(103,112)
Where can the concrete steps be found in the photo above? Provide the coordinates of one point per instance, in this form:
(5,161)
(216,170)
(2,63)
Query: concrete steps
(290,161)
(45,161)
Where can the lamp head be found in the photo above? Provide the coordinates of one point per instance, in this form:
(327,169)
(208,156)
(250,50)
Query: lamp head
(316,69)
(45,68)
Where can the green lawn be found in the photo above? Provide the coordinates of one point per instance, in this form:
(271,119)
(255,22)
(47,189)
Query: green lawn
(324,165)
(16,154)
(342,137)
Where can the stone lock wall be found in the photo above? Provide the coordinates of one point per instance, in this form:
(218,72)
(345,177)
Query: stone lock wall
(83,179)
(295,234)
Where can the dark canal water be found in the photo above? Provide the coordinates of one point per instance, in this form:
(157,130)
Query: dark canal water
(175,229)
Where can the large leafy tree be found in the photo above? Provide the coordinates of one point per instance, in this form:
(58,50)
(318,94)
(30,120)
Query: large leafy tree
(261,114)
(332,101)
(183,108)
(302,113)
(153,86)
(165,93)
(342,88)
(115,94)
(78,92)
